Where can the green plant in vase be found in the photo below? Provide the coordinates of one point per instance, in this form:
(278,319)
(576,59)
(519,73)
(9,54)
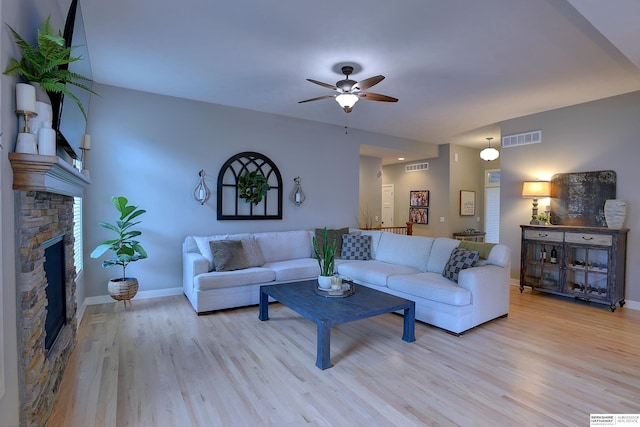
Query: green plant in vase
(326,258)
(125,247)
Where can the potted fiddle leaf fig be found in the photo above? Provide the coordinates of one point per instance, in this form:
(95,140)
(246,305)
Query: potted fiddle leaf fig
(46,63)
(326,258)
(125,247)
(253,186)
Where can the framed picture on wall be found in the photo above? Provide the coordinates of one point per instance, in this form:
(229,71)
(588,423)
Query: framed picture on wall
(467,203)
(419,198)
(419,215)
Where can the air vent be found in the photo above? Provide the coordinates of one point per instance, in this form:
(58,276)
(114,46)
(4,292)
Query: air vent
(417,167)
(526,138)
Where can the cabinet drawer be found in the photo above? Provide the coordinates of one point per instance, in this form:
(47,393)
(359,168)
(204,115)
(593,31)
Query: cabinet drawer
(589,239)
(549,236)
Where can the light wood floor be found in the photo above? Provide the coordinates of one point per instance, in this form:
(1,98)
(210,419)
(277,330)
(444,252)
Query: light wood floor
(551,362)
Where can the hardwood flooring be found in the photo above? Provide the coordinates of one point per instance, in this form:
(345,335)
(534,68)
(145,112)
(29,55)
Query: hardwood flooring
(551,362)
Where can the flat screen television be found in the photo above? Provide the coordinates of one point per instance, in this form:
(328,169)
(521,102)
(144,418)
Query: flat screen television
(68,121)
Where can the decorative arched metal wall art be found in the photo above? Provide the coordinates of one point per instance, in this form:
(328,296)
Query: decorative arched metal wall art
(230,203)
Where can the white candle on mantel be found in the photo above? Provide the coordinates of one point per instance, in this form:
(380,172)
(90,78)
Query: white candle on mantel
(25,97)
(86,142)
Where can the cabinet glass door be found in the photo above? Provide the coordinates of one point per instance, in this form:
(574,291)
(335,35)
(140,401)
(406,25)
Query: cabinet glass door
(541,269)
(587,272)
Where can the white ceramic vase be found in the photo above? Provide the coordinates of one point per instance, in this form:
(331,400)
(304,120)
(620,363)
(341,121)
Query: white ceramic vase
(324,282)
(615,212)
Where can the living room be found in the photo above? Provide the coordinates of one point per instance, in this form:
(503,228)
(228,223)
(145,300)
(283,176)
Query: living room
(150,147)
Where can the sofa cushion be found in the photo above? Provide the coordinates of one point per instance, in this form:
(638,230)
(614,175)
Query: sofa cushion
(356,247)
(232,279)
(284,245)
(440,252)
(373,272)
(331,234)
(483,248)
(409,251)
(458,261)
(431,286)
(252,250)
(228,255)
(294,269)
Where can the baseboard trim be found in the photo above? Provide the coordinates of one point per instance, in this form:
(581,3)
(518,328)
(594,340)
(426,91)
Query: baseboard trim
(155,293)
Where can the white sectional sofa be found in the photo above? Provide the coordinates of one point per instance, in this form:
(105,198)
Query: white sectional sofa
(407,266)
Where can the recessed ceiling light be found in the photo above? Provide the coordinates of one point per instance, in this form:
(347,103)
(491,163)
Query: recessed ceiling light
(400,158)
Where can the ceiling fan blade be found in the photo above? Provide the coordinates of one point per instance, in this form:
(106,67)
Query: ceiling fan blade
(377,97)
(317,98)
(327,85)
(367,83)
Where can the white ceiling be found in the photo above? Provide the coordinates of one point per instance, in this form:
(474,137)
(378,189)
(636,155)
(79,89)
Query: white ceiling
(458,67)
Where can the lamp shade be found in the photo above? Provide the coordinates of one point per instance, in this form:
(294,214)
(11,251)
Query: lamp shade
(535,189)
(347,101)
(489,154)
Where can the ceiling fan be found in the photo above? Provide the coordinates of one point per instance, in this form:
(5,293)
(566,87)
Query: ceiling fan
(350,91)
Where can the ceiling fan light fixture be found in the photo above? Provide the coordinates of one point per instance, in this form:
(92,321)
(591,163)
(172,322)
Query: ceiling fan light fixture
(347,101)
(489,153)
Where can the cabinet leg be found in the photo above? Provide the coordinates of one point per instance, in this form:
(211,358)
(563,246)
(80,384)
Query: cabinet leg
(621,303)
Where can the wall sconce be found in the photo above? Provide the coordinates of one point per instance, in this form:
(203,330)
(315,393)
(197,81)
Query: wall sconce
(297,196)
(535,190)
(489,153)
(201,193)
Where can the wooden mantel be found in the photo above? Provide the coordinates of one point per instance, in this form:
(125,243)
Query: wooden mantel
(33,172)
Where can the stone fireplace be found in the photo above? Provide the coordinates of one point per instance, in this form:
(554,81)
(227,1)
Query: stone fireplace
(45,187)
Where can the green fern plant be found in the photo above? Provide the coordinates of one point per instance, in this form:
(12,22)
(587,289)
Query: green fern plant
(46,63)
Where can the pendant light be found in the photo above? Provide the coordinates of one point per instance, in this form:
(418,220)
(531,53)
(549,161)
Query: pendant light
(489,153)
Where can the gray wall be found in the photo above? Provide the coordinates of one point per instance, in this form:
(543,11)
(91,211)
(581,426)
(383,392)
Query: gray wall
(370,204)
(149,148)
(599,135)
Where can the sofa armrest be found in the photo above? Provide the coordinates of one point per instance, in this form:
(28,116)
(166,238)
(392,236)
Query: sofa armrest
(489,287)
(193,264)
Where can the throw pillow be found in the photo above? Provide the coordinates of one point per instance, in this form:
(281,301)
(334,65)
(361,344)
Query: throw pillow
(331,234)
(458,261)
(356,247)
(228,255)
(483,249)
(252,250)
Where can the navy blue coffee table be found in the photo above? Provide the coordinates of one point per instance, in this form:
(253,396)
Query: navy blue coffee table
(326,312)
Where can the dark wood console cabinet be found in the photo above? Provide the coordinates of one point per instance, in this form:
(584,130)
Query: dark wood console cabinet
(590,264)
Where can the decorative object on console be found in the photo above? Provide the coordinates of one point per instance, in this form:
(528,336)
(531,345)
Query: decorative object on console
(297,196)
(85,146)
(615,212)
(201,192)
(326,258)
(542,218)
(489,153)
(535,190)
(578,198)
(350,91)
(126,249)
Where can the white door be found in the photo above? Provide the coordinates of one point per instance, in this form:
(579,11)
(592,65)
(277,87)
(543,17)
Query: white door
(387,205)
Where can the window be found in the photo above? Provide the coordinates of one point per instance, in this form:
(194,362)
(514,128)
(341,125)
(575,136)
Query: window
(77,234)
